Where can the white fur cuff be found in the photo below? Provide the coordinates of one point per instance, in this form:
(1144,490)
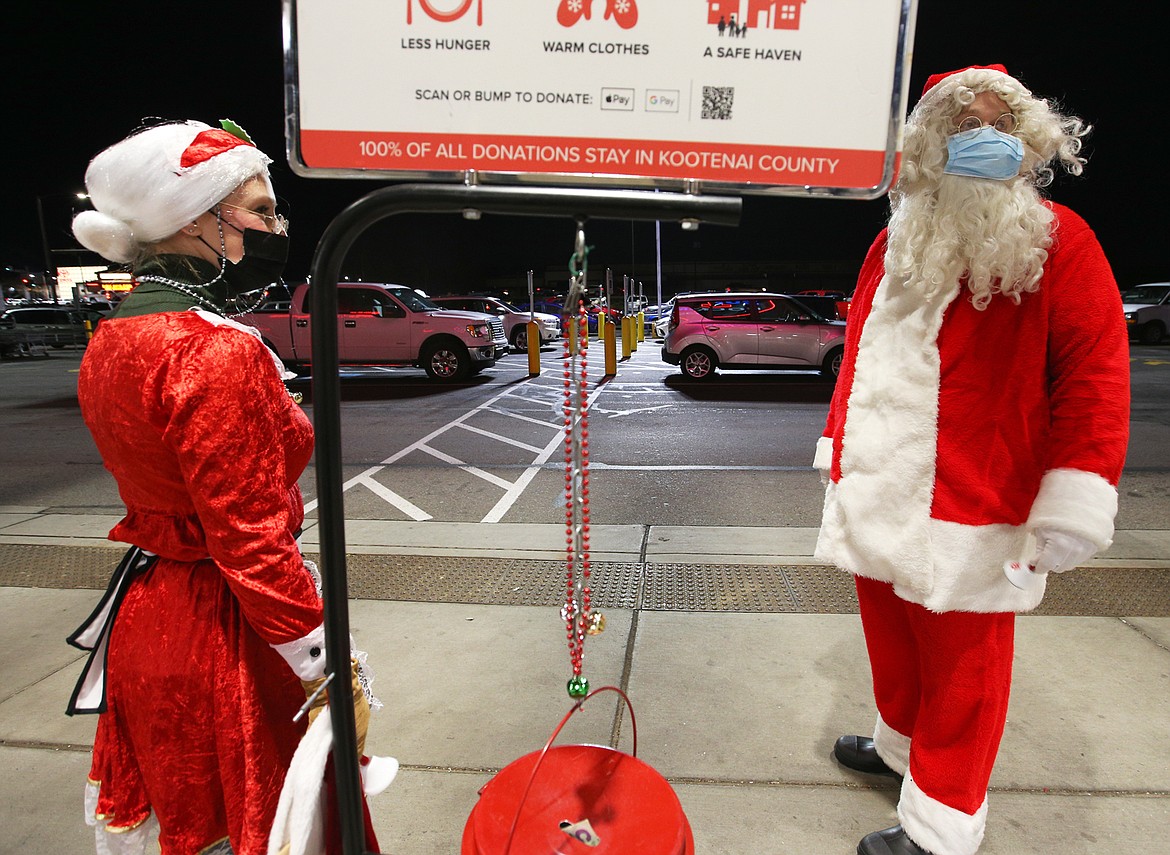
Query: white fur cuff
(936,827)
(305,655)
(1081,503)
(823,458)
(892,746)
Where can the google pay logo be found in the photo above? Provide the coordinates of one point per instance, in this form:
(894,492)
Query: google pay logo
(662,100)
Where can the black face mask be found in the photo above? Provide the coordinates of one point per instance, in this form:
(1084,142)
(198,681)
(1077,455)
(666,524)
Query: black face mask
(264,257)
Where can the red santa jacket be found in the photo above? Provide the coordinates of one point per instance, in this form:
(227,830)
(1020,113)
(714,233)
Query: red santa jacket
(192,419)
(954,433)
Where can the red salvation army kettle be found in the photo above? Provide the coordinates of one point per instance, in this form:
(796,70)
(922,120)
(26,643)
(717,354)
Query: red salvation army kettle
(578,800)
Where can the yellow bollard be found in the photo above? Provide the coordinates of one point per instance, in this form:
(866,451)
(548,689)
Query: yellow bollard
(627,344)
(533,348)
(641,326)
(610,348)
(633,319)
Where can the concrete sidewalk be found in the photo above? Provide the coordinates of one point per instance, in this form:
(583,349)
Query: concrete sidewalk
(634,542)
(738,710)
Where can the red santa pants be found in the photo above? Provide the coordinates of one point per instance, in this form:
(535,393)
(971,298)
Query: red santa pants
(941,681)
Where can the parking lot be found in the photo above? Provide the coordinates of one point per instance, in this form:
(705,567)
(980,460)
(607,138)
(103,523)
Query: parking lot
(735,450)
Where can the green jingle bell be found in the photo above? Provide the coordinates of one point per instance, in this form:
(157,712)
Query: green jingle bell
(578,687)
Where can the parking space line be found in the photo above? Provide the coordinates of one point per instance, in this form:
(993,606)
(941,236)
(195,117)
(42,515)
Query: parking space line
(507,440)
(488,476)
(389,496)
(439,455)
(524,418)
(548,396)
(696,467)
(610,414)
(521,484)
(509,498)
(468,468)
(311,506)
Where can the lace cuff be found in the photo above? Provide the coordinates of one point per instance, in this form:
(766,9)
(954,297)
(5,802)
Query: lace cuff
(305,655)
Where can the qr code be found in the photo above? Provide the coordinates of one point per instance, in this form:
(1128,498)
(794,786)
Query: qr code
(717,101)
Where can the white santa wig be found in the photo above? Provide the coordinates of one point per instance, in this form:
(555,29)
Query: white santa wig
(151,184)
(996,233)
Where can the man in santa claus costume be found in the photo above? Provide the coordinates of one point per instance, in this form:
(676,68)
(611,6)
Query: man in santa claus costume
(975,438)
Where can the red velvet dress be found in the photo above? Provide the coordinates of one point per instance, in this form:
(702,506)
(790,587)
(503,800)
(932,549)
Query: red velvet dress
(206,445)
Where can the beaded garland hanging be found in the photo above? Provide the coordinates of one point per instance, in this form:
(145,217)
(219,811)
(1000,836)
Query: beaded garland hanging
(577,612)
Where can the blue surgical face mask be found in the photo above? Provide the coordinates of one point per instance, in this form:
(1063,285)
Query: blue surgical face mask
(984,153)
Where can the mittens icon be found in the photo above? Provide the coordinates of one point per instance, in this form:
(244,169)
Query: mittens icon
(625,12)
(571,11)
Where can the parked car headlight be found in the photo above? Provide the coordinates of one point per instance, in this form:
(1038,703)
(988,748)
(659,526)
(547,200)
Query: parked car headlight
(479,330)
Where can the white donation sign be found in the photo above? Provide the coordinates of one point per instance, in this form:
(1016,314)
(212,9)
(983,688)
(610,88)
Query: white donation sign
(771,96)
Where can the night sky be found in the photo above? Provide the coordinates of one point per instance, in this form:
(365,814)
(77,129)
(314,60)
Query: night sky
(80,75)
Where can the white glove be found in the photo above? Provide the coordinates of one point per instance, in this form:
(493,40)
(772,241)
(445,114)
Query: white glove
(825,477)
(1058,551)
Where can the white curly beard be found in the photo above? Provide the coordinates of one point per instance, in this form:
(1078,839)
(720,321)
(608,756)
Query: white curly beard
(997,233)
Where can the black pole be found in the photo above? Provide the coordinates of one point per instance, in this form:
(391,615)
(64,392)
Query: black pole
(325,272)
(49,277)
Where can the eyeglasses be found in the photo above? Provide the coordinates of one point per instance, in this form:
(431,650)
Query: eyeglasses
(1006,123)
(276,223)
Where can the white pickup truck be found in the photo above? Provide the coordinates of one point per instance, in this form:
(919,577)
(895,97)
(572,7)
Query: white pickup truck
(386,325)
(1147,311)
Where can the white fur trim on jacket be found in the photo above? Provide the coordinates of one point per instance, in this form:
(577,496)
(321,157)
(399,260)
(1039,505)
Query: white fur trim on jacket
(892,746)
(305,655)
(938,828)
(877,518)
(221,321)
(299,823)
(823,458)
(1081,503)
(957,568)
(883,498)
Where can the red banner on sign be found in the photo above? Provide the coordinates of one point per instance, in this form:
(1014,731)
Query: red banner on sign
(717,162)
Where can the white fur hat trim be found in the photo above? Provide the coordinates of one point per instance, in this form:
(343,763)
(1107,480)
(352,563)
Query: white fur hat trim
(142,191)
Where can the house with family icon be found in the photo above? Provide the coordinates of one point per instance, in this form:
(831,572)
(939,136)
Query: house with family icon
(757,14)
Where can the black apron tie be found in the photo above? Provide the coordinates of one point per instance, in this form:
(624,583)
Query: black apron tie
(89,695)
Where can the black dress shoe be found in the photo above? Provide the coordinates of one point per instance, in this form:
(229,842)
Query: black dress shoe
(892,841)
(858,754)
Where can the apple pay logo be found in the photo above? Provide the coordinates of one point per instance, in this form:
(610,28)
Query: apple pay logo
(662,100)
(617,99)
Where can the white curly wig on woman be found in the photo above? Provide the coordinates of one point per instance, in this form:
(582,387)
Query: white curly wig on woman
(996,233)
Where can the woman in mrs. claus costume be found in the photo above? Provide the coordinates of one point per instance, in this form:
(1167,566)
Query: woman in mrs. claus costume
(211,633)
(981,418)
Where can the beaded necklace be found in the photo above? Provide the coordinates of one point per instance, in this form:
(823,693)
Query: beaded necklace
(184,288)
(187,290)
(577,613)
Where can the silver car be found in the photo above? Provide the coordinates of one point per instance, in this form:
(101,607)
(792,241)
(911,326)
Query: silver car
(52,325)
(750,330)
(515,320)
